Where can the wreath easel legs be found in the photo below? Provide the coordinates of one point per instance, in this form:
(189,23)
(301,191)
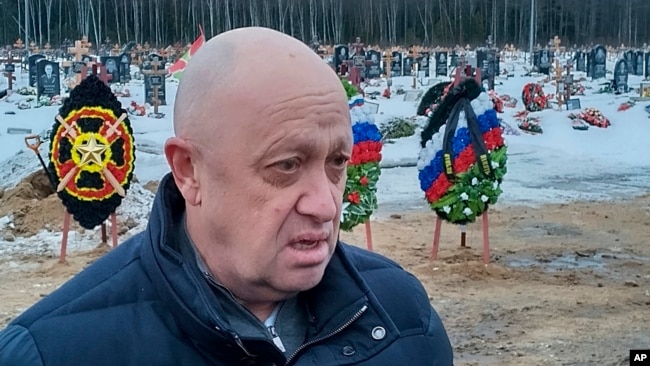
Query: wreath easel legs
(66,228)
(486,239)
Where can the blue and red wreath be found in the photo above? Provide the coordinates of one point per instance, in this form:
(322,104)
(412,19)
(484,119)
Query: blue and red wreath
(360,196)
(92,153)
(463,158)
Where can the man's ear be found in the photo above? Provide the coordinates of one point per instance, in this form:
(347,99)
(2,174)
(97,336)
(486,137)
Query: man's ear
(182,159)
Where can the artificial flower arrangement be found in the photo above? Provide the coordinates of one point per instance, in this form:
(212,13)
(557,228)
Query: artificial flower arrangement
(432,97)
(527,123)
(534,98)
(360,196)
(593,116)
(463,160)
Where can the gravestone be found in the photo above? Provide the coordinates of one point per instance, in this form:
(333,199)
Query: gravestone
(150,70)
(646,57)
(481,57)
(373,69)
(497,63)
(408,65)
(545,61)
(112,64)
(598,61)
(638,65)
(453,59)
(48,82)
(396,64)
(580,61)
(341,54)
(631,61)
(620,75)
(441,64)
(31,64)
(424,62)
(125,68)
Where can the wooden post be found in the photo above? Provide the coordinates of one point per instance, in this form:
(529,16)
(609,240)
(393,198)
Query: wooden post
(559,94)
(436,239)
(155,72)
(9,69)
(368,235)
(64,240)
(388,59)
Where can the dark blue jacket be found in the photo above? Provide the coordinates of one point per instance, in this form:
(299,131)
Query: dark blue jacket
(146,303)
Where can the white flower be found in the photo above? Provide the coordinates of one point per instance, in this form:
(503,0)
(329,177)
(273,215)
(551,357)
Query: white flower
(484,198)
(467,211)
(495,185)
(447,209)
(474,181)
(464,196)
(495,164)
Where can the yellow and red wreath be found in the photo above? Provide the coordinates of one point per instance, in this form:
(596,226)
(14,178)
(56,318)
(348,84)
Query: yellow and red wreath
(92,153)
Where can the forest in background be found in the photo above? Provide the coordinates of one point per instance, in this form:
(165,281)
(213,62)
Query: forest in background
(383,22)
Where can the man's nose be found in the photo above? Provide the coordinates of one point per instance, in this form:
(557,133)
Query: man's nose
(319,197)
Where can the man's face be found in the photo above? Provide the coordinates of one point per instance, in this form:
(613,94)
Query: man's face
(48,69)
(272,204)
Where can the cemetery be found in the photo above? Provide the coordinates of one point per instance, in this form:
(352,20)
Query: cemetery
(512,180)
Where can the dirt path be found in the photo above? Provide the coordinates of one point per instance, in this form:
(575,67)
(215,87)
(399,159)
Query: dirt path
(567,285)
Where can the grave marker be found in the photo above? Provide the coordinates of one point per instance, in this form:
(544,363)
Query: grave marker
(441,63)
(9,70)
(396,64)
(621,71)
(49,81)
(598,62)
(31,64)
(155,84)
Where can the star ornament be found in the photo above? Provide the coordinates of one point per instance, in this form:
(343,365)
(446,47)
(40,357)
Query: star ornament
(91,152)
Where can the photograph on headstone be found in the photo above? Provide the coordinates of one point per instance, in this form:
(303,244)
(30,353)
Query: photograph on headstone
(31,64)
(408,66)
(396,64)
(424,63)
(598,62)
(372,66)
(125,68)
(621,71)
(544,62)
(112,64)
(441,63)
(638,65)
(341,55)
(48,81)
(580,61)
(631,61)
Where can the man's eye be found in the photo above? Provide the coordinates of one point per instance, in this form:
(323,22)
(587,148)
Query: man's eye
(340,161)
(287,165)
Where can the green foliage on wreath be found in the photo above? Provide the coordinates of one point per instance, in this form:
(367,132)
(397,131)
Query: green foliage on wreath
(397,128)
(350,89)
(464,200)
(360,199)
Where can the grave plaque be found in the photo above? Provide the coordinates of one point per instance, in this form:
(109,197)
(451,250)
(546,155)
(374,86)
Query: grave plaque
(125,68)
(10,68)
(151,69)
(638,65)
(441,64)
(396,64)
(631,61)
(408,66)
(621,71)
(373,69)
(545,62)
(580,61)
(424,62)
(48,82)
(453,59)
(598,60)
(112,68)
(341,54)
(31,64)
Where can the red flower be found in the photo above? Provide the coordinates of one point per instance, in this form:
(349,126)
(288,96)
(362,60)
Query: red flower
(438,188)
(354,198)
(363,181)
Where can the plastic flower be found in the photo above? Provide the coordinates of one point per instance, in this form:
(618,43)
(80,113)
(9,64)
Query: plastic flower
(484,198)
(464,196)
(467,211)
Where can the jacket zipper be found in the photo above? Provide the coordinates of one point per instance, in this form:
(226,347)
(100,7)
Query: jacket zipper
(338,330)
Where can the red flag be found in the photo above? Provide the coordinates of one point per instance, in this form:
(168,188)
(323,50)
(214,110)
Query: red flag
(176,70)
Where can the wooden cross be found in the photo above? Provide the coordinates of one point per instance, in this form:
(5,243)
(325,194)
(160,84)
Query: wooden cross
(556,42)
(78,50)
(388,58)
(567,86)
(8,71)
(116,49)
(98,70)
(155,72)
(19,44)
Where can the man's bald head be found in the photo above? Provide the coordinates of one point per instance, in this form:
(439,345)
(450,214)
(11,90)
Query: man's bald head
(237,68)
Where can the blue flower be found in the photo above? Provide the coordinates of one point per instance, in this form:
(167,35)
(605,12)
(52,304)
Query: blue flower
(461,141)
(483,123)
(365,131)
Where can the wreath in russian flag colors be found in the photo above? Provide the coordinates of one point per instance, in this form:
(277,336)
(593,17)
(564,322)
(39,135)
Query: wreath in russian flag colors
(463,160)
(92,153)
(360,196)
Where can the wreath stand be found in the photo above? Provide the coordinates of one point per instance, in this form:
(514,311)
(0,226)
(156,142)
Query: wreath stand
(486,238)
(438,227)
(368,236)
(66,229)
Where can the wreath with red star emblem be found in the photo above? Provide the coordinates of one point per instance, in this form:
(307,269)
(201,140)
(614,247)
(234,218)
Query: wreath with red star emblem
(92,153)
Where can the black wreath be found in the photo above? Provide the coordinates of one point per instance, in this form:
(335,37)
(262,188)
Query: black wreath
(91,92)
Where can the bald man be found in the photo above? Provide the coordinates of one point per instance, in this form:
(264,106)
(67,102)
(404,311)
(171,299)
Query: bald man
(240,263)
